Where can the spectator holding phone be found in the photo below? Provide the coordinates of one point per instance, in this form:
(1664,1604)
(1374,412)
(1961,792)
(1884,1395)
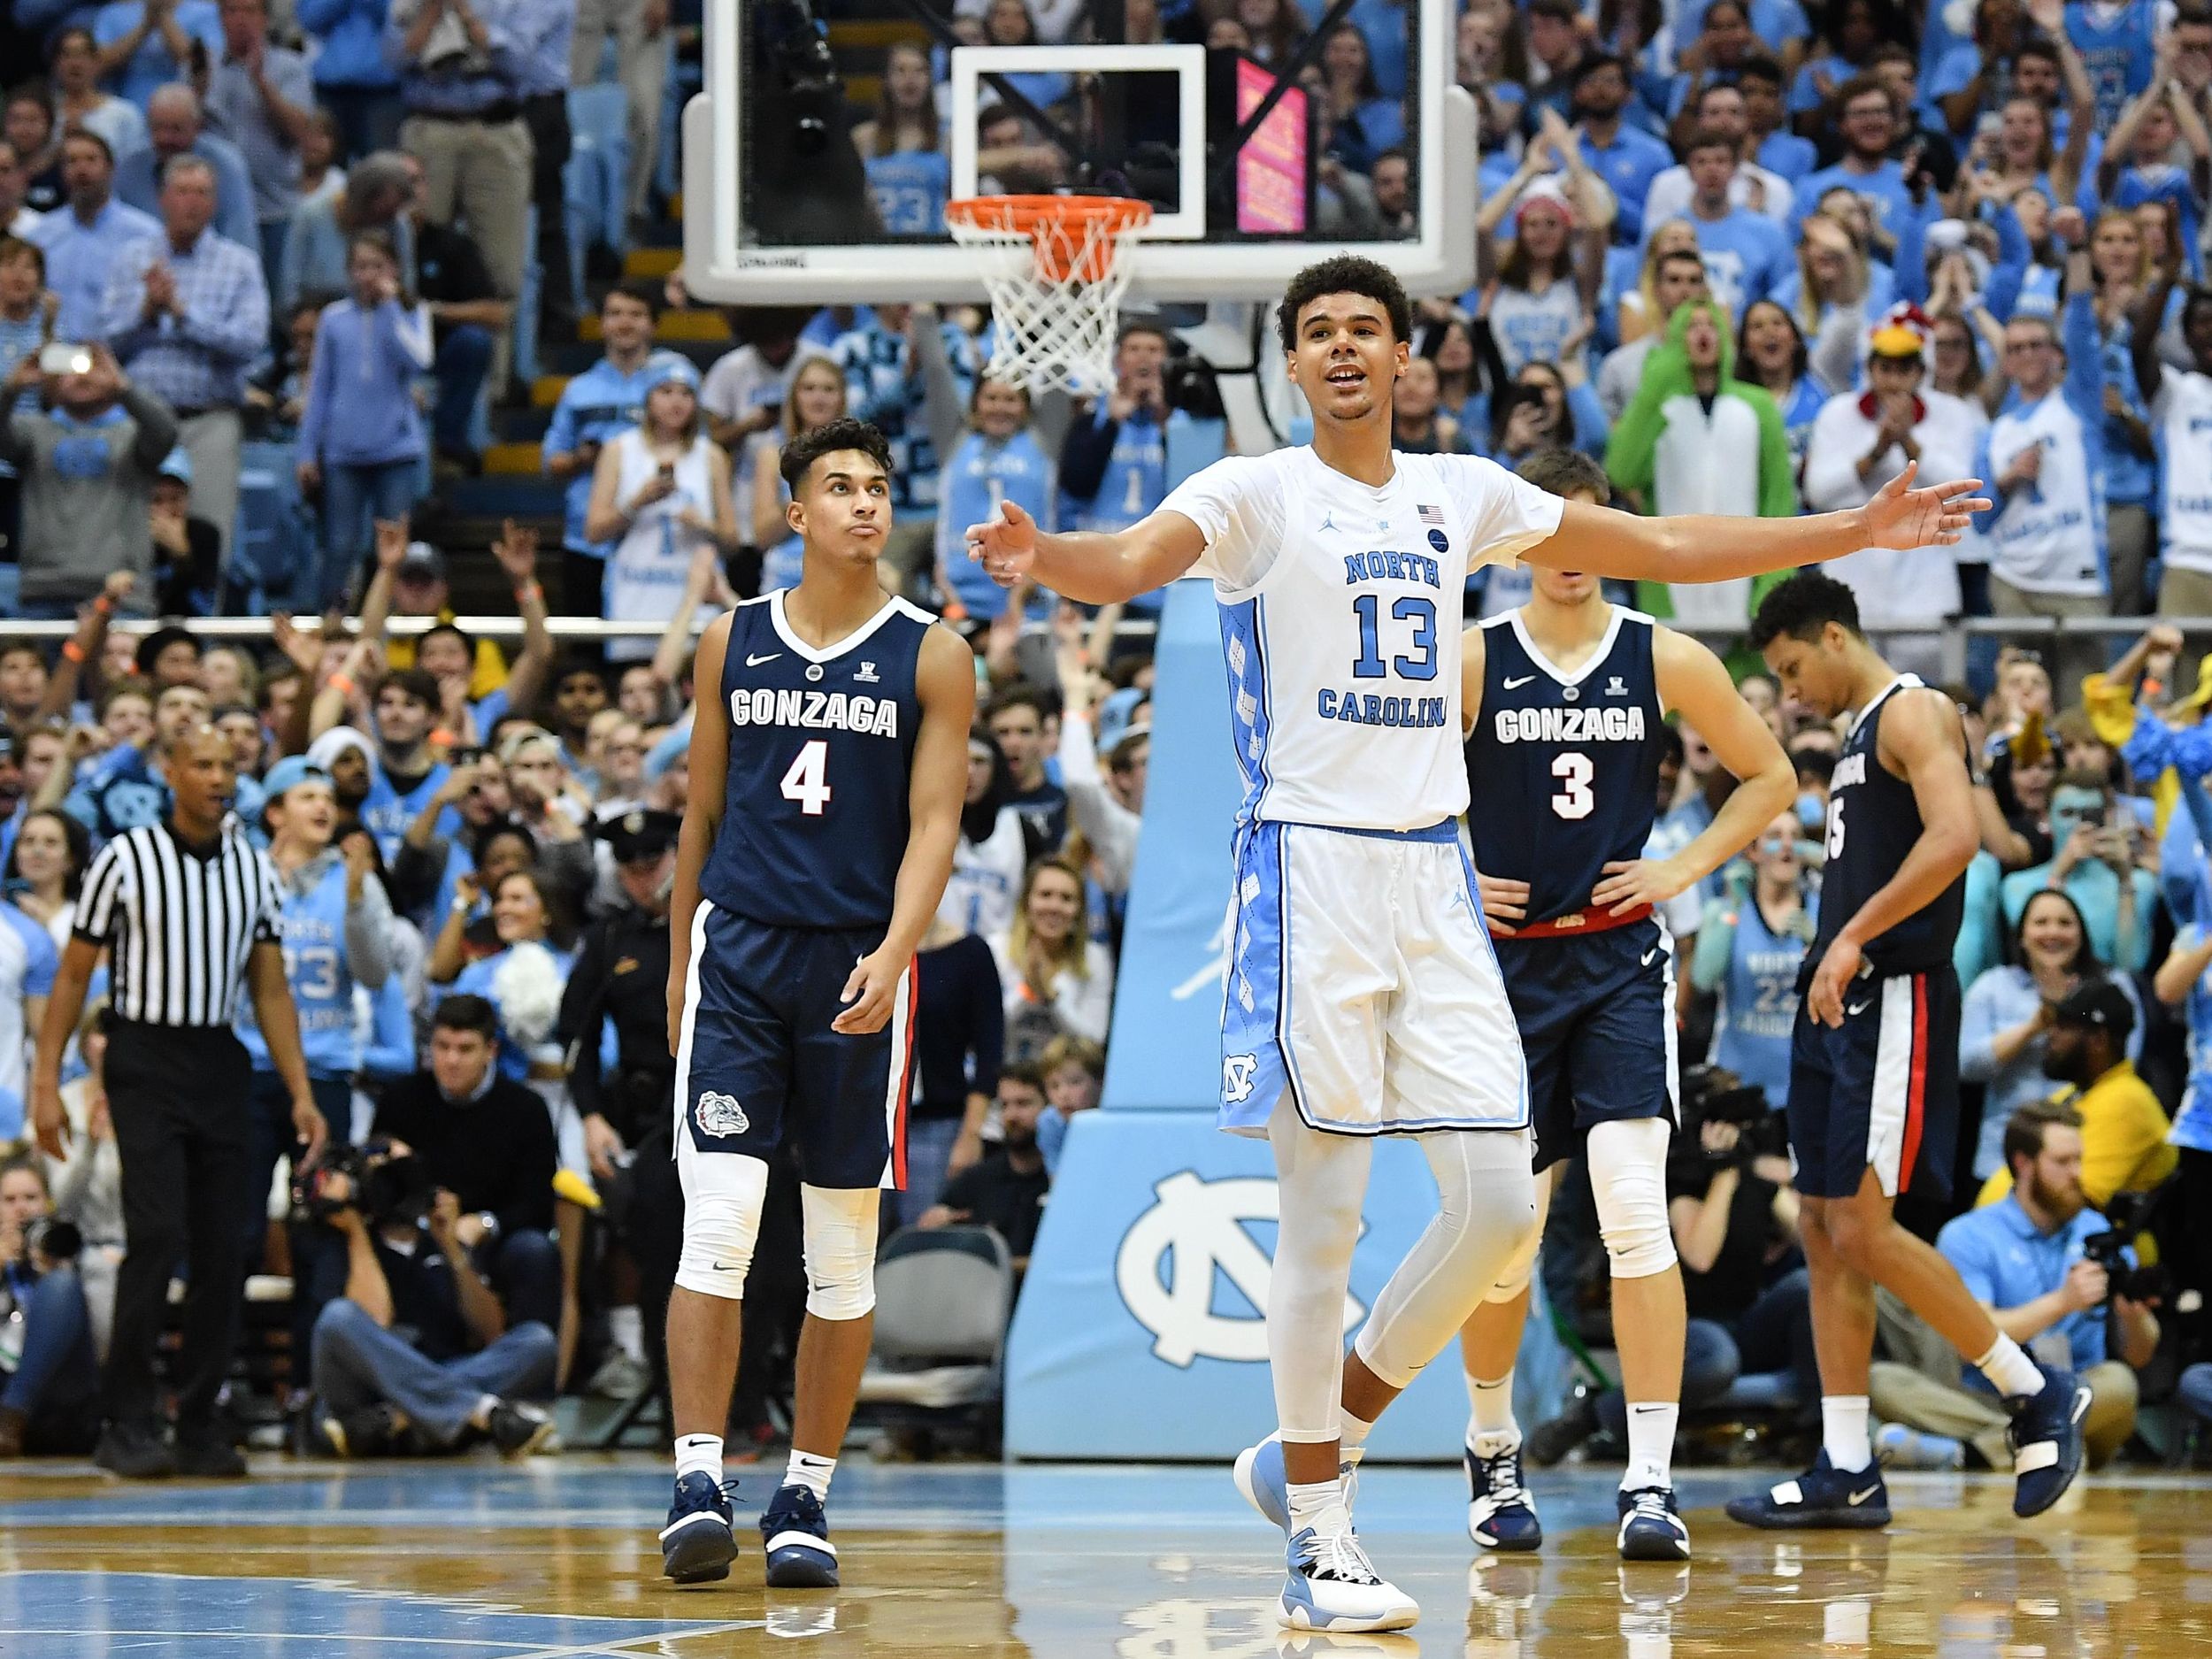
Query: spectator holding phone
(361,436)
(2094,863)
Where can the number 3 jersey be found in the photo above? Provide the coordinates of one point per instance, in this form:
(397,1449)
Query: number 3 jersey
(1565,768)
(814,819)
(1340,619)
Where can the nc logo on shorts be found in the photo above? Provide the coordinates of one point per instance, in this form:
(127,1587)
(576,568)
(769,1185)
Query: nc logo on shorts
(719,1113)
(1200,1226)
(1237,1071)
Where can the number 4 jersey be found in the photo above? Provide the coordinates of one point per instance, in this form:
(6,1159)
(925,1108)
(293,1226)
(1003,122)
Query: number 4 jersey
(1341,616)
(1565,767)
(814,820)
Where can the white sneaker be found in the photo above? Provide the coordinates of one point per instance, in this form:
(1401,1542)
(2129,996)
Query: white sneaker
(1332,1586)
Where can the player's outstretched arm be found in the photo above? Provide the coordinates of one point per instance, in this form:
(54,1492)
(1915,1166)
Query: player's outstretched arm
(1693,682)
(1707,547)
(1085,566)
(936,788)
(1924,742)
(703,803)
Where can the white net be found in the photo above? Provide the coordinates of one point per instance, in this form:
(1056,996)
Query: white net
(1056,269)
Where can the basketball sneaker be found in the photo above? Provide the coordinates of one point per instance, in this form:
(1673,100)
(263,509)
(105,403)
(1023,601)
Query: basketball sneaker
(2046,1440)
(1332,1586)
(697,1545)
(796,1533)
(1261,1477)
(1650,1529)
(1823,1497)
(1501,1514)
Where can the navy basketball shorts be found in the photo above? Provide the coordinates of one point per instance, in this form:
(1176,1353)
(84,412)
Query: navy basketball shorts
(757,1060)
(1881,1091)
(1596,1013)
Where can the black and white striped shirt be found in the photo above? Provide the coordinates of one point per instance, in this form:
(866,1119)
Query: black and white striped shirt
(179,925)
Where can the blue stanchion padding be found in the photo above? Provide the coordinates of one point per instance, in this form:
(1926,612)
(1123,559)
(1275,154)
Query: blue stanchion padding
(1165,1052)
(1142,1332)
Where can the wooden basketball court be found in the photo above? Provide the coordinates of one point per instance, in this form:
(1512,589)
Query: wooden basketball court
(556,1560)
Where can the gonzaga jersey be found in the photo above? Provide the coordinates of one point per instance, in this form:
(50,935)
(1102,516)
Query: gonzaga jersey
(1340,619)
(821,745)
(1873,820)
(1562,768)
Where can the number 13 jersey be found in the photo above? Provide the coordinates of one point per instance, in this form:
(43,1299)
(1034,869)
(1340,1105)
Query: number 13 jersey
(814,818)
(1565,767)
(1341,611)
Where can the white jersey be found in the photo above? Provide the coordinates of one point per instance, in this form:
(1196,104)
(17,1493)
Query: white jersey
(645,578)
(2182,417)
(1341,616)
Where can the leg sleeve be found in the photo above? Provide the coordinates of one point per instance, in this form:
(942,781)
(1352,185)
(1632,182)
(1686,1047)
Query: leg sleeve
(1322,1182)
(1485,1213)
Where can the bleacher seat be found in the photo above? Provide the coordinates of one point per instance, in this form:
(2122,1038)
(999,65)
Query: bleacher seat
(598,169)
(943,1298)
(272,545)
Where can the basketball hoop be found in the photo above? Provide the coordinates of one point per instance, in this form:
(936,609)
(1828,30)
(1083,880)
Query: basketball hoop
(1055,268)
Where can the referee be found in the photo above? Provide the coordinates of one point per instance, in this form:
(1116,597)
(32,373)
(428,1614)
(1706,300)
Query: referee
(187,909)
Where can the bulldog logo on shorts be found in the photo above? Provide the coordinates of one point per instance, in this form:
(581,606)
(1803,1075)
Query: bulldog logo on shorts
(719,1113)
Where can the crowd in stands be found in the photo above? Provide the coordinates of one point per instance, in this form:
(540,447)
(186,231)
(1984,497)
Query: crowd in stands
(1757,260)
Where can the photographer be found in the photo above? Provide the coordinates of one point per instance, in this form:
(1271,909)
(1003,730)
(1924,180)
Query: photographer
(418,1341)
(488,1138)
(49,1403)
(2058,1280)
(1733,1215)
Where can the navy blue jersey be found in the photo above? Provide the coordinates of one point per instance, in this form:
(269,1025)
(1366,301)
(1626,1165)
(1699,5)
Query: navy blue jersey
(1562,770)
(821,745)
(1873,820)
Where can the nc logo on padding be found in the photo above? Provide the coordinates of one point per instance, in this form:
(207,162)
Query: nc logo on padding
(1203,1223)
(720,1115)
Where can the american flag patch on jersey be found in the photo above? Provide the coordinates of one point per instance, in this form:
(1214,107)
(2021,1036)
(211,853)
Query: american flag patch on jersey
(1430,515)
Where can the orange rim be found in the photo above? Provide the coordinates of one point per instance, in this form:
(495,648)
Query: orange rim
(1058,227)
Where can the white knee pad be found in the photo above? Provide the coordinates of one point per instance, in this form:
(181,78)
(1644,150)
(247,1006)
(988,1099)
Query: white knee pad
(723,1194)
(840,1249)
(1517,1271)
(1628,1179)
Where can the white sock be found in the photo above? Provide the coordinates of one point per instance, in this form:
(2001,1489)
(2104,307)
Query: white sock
(1650,1444)
(2009,1369)
(626,1328)
(1320,1505)
(1351,1434)
(1843,1431)
(806,1469)
(699,1454)
(1491,1428)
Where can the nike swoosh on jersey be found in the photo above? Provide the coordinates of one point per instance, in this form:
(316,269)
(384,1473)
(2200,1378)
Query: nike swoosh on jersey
(1858,1008)
(1515,684)
(1648,958)
(755,662)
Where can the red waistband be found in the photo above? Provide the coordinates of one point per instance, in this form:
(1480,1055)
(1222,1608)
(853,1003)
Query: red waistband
(1581,922)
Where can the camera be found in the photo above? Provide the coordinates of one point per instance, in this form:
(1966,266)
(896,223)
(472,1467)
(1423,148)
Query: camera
(1712,1094)
(64,358)
(51,1237)
(2126,1211)
(383,1185)
(1187,382)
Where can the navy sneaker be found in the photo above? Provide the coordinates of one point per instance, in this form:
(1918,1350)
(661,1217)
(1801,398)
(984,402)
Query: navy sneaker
(1650,1529)
(2046,1440)
(796,1535)
(697,1545)
(1823,1497)
(1501,1515)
